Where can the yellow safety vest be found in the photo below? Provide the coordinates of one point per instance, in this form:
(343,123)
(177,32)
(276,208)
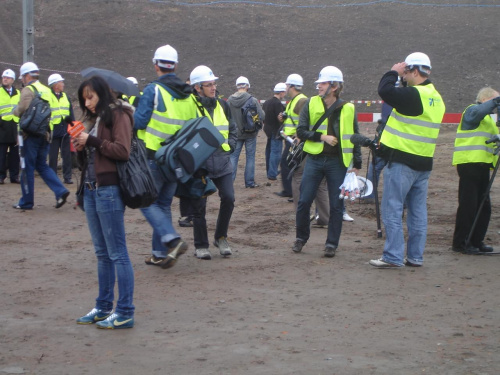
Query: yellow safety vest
(163,124)
(292,120)
(220,122)
(416,135)
(346,127)
(470,146)
(60,108)
(46,94)
(7,104)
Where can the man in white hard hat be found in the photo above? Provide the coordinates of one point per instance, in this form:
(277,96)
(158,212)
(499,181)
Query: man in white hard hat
(326,124)
(166,104)
(61,111)
(36,148)
(290,119)
(272,125)
(218,166)
(408,143)
(474,159)
(9,150)
(248,139)
(134,100)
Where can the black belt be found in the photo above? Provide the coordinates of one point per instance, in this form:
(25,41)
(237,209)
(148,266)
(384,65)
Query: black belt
(150,154)
(320,156)
(91,185)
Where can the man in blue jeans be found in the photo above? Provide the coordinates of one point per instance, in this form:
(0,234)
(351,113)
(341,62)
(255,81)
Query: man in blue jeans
(249,140)
(408,143)
(36,147)
(166,104)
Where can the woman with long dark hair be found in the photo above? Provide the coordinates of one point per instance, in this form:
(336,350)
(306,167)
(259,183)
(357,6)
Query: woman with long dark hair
(107,139)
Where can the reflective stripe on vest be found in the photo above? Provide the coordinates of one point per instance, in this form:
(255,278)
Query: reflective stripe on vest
(416,135)
(7,105)
(163,124)
(221,123)
(46,94)
(292,120)
(346,127)
(59,108)
(470,146)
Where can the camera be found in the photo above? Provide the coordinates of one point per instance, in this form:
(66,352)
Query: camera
(284,115)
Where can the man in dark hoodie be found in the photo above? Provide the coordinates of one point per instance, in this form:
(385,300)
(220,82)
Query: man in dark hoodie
(166,104)
(236,102)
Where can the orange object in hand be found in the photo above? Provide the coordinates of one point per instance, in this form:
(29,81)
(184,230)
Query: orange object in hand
(75,128)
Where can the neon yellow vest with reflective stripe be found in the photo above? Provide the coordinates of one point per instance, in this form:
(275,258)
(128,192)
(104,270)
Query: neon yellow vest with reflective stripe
(470,146)
(163,124)
(46,94)
(220,122)
(346,127)
(291,122)
(59,108)
(7,105)
(416,135)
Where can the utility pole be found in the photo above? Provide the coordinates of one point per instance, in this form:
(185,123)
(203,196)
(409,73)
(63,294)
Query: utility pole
(28,31)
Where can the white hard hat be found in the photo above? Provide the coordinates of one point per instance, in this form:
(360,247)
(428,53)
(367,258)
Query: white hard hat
(28,67)
(133,80)
(280,87)
(295,79)
(242,81)
(418,58)
(9,73)
(54,78)
(165,53)
(330,74)
(200,74)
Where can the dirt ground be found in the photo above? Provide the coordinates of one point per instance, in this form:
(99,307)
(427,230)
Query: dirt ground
(265,310)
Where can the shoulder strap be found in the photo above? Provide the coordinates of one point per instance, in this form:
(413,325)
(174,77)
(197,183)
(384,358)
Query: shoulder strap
(338,103)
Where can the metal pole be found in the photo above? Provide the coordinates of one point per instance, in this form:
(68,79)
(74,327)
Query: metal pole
(28,31)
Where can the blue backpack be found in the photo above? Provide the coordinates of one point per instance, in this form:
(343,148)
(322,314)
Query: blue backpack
(251,119)
(35,120)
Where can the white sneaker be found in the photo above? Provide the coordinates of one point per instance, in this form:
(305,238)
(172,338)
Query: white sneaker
(202,254)
(346,217)
(223,246)
(379,263)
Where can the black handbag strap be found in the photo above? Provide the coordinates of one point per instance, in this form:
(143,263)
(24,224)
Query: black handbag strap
(338,103)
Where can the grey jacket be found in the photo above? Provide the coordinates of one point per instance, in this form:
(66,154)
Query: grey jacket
(236,101)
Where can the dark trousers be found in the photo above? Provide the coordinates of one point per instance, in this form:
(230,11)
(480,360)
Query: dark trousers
(473,184)
(285,181)
(185,207)
(9,159)
(63,145)
(225,189)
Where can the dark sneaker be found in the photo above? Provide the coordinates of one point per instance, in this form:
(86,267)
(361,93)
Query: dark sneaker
(253,186)
(485,248)
(94,316)
(283,194)
(297,246)
(68,182)
(379,263)
(410,264)
(203,254)
(18,207)
(224,248)
(330,251)
(465,250)
(155,261)
(174,253)
(60,202)
(186,222)
(115,321)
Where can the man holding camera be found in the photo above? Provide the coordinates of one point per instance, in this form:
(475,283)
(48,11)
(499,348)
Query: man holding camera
(408,143)
(474,159)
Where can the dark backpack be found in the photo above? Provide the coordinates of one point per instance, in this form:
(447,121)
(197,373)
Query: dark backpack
(35,120)
(251,119)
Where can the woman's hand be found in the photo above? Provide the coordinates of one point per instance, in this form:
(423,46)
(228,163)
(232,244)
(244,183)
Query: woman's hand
(80,141)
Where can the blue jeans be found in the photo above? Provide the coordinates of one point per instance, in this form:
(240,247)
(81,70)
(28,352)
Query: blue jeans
(273,156)
(404,185)
(35,157)
(316,168)
(159,214)
(250,147)
(104,209)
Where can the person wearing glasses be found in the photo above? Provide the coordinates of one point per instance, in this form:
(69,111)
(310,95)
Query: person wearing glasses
(408,143)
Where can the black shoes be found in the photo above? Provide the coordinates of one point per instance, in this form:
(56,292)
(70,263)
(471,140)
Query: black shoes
(283,194)
(330,251)
(485,248)
(252,186)
(68,182)
(61,201)
(297,246)
(186,222)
